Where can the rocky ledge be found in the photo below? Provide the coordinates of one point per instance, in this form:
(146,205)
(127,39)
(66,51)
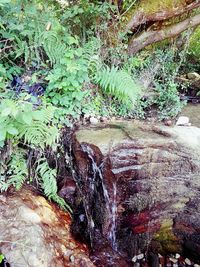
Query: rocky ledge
(156,172)
(36,234)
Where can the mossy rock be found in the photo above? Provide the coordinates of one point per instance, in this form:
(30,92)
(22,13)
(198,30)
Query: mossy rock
(169,242)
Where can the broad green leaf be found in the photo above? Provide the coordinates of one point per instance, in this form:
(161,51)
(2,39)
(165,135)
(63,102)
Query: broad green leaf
(27,118)
(72,40)
(12,130)
(2,134)
(38,115)
(5,112)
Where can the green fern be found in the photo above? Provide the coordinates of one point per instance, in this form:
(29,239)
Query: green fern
(39,134)
(53,46)
(48,183)
(21,48)
(17,171)
(49,41)
(118,83)
(19,121)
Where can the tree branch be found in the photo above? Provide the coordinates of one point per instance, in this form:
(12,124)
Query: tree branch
(141,17)
(149,37)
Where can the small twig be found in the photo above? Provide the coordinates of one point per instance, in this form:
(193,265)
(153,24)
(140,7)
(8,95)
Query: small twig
(6,47)
(4,41)
(128,8)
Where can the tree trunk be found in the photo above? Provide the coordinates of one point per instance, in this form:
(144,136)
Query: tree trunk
(140,16)
(149,37)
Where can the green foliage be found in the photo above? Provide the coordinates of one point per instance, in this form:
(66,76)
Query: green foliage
(17,173)
(167,97)
(20,121)
(34,33)
(168,101)
(194,47)
(66,82)
(86,17)
(3,78)
(47,177)
(17,170)
(159,70)
(53,46)
(118,83)
(1,258)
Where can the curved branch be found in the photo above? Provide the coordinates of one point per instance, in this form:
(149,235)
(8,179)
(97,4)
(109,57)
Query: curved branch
(150,37)
(141,17)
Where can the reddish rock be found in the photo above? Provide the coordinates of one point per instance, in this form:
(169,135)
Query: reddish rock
(139,219)
(156,171)
(146,228)
(38,234)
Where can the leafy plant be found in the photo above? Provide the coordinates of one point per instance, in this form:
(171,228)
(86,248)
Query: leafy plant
(194,46)
(77,17)
(32,31)
(19,120)
(1,258)
(22,122)
(168,101)
(47,178)
(118,83)
(66,82)
(3,77)
(17,170)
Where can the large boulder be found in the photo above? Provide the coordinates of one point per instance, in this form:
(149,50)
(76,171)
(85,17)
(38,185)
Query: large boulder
(157,175)
(36,234)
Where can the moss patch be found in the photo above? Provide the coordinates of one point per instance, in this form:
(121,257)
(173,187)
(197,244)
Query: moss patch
(169,242)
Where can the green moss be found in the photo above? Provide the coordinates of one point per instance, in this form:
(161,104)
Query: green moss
(169,242)
(194,47)
(157,5)
(150,7)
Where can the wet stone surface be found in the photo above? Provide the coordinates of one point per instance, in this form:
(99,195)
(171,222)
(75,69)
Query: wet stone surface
(157,175)
(193,112)
(136,199)
(34,233)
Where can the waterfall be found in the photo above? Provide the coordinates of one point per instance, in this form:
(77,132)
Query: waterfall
(112,232)
(109,195)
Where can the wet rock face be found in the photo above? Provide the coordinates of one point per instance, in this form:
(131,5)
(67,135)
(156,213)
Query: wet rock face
(35,234)
(157,176)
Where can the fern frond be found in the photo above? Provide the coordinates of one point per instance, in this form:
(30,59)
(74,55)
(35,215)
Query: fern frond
(39,134)
(53,46)
(17,170)
(118,83)
(49,184)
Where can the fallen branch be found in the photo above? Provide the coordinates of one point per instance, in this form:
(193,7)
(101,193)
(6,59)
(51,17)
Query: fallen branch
(5,48)
(141,17)
(149,37)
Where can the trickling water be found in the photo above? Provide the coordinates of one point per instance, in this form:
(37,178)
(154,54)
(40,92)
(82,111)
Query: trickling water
(112,232)
(110,201)
(96,171)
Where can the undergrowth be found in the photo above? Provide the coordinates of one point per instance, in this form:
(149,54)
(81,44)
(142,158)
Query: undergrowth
(27,128)
(57,67)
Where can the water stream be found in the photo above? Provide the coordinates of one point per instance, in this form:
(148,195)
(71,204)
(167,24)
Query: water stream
(143,181)
(110,199)
(112,232)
